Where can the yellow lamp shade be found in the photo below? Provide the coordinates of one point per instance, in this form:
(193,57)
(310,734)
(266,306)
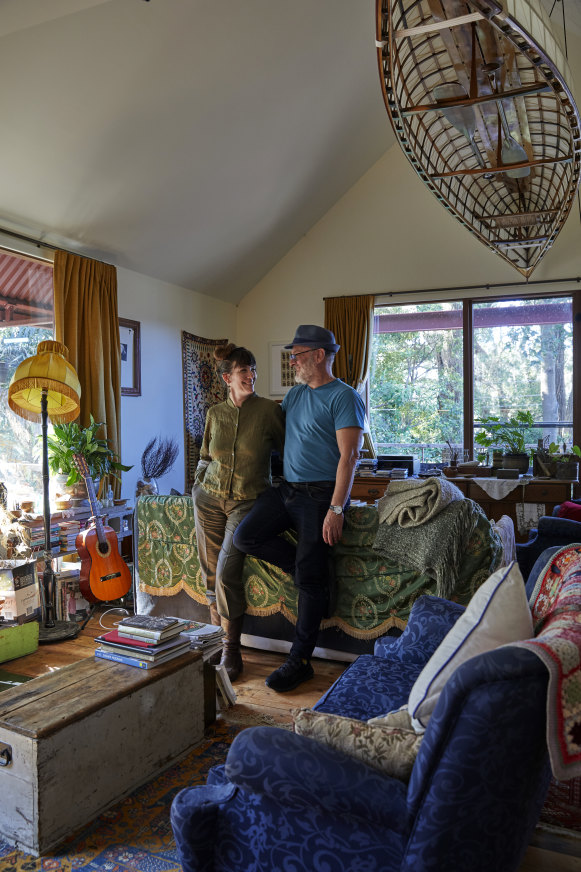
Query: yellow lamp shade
(50,371)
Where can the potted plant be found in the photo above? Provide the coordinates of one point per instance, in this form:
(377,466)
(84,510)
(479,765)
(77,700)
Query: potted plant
(509,434)
(70,439)
(564,464)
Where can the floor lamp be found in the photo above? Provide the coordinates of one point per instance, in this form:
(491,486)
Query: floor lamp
(42,387)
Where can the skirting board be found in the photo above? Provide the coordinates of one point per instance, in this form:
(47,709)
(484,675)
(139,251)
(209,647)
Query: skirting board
(283,647)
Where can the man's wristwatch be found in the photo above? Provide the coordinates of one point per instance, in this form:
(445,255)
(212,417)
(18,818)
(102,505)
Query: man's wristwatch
(337,510)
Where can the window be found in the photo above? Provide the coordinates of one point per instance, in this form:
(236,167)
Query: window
(416,388)
(419,377)
(26,318)
(523,359)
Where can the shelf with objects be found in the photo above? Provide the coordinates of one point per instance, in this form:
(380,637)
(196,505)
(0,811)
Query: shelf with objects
(70,604)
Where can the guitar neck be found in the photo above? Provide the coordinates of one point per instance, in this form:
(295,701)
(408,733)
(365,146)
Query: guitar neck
(84,471)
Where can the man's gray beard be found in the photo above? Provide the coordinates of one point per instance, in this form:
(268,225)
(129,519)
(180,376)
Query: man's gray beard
(300,379)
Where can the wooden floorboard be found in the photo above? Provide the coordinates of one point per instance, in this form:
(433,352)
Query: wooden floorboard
(549,852)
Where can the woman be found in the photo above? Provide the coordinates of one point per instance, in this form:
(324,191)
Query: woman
(234,468)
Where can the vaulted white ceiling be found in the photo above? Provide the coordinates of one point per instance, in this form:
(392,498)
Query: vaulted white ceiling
(194,141)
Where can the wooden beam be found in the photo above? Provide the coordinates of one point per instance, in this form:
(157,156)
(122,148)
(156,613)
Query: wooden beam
(480,171)
(537,88)
(439,25)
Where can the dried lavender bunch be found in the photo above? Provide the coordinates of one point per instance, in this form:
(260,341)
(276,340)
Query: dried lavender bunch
(158,457)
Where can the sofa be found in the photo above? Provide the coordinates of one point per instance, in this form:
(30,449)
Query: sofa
(477,785)
(561,528)
(373,594)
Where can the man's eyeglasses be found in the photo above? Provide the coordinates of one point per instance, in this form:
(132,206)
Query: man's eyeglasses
(296,354)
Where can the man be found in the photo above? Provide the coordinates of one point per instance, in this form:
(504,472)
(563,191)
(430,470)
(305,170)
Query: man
(324,427)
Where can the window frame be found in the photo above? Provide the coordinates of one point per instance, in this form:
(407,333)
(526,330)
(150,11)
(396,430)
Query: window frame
(467,303)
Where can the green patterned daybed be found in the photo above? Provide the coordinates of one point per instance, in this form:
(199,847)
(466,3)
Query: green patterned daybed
(373,594)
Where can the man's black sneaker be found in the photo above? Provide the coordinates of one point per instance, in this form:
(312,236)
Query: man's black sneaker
(288,676)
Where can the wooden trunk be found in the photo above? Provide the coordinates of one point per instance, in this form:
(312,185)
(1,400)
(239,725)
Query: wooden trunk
(76,741)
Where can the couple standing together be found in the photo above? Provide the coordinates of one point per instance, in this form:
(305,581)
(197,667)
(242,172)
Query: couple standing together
(237,511)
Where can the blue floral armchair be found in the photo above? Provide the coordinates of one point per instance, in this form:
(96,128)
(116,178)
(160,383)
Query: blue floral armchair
(284,802)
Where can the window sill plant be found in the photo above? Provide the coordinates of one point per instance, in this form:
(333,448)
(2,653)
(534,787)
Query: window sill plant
(509,434)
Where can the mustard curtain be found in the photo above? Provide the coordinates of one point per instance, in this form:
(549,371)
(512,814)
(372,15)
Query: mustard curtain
(351,320)
(85,309)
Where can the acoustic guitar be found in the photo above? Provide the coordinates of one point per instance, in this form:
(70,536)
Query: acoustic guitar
(104,574)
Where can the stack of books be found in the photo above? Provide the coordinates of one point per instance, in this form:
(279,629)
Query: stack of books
(68,532)
(143,641)
(34,536)
(398,473)
(206,638)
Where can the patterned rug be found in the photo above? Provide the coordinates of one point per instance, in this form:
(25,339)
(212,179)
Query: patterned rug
(135,835)
(203,387)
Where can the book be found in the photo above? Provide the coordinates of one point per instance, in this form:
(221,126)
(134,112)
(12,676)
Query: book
(154,623)
(201,632)
(115,636)
(145,652)
(224,685)
(138,662)
(146,630)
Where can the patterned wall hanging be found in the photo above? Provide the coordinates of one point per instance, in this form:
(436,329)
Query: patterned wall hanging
(203,387)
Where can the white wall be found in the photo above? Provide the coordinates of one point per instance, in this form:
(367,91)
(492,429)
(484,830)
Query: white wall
(163,311)
(388,233)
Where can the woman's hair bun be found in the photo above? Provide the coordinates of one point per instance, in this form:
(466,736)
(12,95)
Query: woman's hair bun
(222,352)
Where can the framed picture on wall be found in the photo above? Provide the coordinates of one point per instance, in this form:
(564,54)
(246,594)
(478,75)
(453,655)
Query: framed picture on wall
(130,338)
(282,376)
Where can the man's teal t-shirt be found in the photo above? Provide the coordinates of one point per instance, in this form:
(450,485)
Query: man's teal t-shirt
(313,415)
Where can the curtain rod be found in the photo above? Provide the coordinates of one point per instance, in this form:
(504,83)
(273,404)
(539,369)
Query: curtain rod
(37,242)
(486,287)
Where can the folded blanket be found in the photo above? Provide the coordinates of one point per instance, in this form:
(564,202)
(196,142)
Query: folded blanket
(437,547)
(411,503)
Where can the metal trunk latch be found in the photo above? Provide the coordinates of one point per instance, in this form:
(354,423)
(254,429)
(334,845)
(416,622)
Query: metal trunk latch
(5,754)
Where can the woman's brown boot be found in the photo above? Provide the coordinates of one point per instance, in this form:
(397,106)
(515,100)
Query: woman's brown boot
(231,656)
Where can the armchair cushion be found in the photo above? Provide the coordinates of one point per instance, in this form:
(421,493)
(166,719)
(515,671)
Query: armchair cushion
(430,619)
(383,744)
(497,614)
(303,774)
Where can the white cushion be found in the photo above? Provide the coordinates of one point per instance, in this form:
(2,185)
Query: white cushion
(497,614)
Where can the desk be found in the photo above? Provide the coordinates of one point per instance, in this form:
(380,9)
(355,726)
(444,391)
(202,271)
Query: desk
(549,492)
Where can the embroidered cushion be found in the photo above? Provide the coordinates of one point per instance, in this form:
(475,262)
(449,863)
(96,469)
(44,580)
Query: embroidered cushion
(388,744)
(497,614)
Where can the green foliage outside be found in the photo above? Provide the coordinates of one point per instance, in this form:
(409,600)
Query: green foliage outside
(20,448)
(416,380)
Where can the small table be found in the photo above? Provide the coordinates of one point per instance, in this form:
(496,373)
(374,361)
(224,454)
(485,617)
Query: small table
(75,741)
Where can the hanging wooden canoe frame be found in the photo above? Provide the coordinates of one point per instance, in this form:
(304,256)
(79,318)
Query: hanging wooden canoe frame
(505,57)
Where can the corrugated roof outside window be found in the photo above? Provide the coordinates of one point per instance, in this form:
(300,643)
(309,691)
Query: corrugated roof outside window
(26,291)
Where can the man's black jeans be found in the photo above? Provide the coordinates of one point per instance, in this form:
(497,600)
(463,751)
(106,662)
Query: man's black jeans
(303,507)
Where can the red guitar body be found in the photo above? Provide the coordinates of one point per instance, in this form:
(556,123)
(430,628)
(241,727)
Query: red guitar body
(104,574)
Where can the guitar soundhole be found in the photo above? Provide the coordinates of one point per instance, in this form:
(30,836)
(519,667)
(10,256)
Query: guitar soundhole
(103,548)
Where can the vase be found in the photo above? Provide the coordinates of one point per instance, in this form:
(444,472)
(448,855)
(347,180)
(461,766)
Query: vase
(567,470)
(516,461)
(146,487)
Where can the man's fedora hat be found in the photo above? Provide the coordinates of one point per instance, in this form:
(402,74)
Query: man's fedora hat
(316,337)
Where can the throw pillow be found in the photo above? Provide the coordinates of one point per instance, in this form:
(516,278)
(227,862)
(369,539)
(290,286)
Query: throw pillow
(391,750)
(570,510)
(497,614)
